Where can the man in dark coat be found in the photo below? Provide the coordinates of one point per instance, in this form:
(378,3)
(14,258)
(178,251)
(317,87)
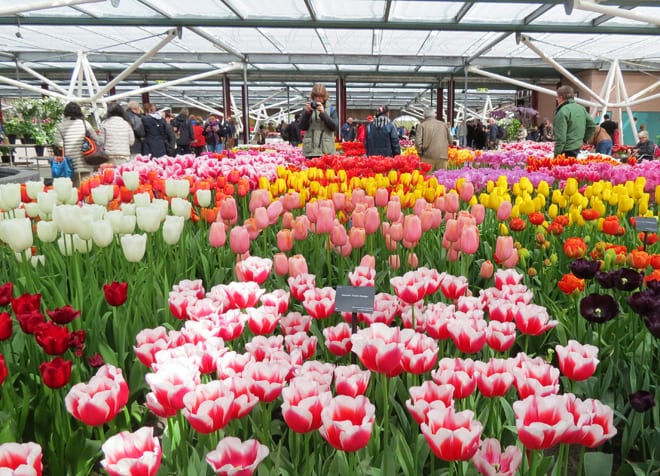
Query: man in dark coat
(382,137)
(182,126)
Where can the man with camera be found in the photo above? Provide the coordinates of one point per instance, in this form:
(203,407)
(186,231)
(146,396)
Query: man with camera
(320,123)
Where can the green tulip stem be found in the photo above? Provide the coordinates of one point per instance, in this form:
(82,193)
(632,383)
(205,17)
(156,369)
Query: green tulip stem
(386,421)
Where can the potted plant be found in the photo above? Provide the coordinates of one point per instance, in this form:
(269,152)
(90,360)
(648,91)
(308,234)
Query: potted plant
(11,127)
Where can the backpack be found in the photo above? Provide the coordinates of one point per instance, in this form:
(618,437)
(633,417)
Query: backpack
(500,132)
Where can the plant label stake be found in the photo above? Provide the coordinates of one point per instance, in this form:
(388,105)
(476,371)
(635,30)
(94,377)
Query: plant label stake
(646,225)
(354,299)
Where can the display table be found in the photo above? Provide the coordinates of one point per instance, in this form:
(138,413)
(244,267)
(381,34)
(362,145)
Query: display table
(29,155)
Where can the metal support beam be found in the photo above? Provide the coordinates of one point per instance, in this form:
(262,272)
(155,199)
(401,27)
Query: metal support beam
(616,12)
(20,7)
(30,87)
(43,78)
(169,36)
(246,107)
(226,95)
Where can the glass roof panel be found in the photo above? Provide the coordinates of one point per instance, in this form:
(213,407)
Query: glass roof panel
(425,11)
(297,40)
(403,42)
(484,12)
(124,10)
(204,8)
(349,9)
(557,14)
(269,9)
(353,41)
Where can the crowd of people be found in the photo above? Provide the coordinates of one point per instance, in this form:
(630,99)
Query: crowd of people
(126,133)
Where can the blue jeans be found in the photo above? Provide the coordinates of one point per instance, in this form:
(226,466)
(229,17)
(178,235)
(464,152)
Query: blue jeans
(604,147)
(214,147)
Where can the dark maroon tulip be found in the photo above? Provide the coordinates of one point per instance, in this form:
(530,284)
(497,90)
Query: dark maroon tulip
(652,321)
(645,301)
(63,315)
(6,293)
(606,279)
(654,285)
(599,308)
(627,279)
(585,268)
(95,360)
(642,400)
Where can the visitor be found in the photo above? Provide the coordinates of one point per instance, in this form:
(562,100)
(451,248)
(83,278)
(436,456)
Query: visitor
(612,129)
(155,132)
(492,133)
(134,116)
(602,141)
(547,132)
(69,136)
(432,140)
(170,142)
(521,135)
(382,136)
(117,135)
(319,121)
(295,138)
(348,131)
(183,129)
(212,134)
(644,149)
(198,143)
(573,126)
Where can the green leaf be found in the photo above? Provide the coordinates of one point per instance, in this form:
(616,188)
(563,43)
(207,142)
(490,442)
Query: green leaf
(109,355)
(404,454)
(597,463)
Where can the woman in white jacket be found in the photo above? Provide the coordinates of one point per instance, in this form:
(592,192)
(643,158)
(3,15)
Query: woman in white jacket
(117,135)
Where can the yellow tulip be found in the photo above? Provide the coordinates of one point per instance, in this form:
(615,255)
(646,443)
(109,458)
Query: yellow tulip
(562,202)
(571,186)
(539,202)
(576,199)
(556,195)
(543,188)
(490,186)
(503,182)
(527,206)
(625,204)
(553,210)
(643,204)
(330,174)
(526,185)
(503,229)
(405,178)
(516,190)
(515,211)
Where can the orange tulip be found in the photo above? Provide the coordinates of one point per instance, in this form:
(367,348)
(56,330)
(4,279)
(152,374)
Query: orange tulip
(569,284)
(575,247)
(639,259)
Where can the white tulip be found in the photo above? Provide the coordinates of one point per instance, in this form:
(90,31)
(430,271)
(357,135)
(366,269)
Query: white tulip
(73,197)
(65,244)
(172,229)
(114,217)
(141,199)
(127,224)
(38,260)
(67,218)
(131,179)
(181,207)
(18,233)
(33,188)
(10,196)
(128,208)
(163,205)
(32,209)
(47,231)
(102,233)
(19,213)
(82,245)
(134,247)
(203,197)
(47,200)
(25,256)
(102,194)
(148,218)
(63,187)
(177,188)
(85,226)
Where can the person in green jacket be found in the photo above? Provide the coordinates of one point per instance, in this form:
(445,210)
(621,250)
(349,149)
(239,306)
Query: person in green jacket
(572,124)
(319,122)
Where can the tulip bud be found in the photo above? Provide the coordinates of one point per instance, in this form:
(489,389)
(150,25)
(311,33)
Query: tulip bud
(486,270)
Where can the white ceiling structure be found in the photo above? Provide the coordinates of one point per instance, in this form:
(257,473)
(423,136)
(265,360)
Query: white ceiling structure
(396,52)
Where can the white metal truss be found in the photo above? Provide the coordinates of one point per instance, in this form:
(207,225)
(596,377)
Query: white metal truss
(20,7)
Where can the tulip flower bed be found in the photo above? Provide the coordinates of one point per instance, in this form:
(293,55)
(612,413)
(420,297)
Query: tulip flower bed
(179,318)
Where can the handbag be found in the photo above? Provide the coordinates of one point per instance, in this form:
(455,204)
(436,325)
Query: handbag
(61,166)
(92,153)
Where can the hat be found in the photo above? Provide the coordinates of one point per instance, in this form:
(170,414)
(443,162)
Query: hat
(643,134)
(382,110)
(370,118)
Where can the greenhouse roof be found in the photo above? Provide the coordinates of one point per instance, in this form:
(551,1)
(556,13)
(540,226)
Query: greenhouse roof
(388,51)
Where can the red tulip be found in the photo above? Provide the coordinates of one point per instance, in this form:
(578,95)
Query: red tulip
(428,396)
(453,436)
(379,348)
(132,454)
(242,295)
(3,369)
(21,459)
(97,402)
(266,379)
(6,325)
(490,461)
(26,303)
(542,421)
(319,302)
(169,384)
(6,293)
(53,339)
(56,373)
(262,320)
(350,380)
(593,422)
(63,315)
(208,407)
(338,339)
(494,378)
(468,334)
(577,361)
(30,321)
(115,293)
(348,422)
(295,322)
(302,403)
(233,457)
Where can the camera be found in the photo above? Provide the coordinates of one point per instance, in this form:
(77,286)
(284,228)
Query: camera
(314,104)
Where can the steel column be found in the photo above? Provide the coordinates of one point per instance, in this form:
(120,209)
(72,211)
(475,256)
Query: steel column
(439,104)
(226,94)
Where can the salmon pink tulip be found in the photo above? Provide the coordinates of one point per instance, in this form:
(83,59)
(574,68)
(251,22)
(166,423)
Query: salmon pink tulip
(347,422)
(239,240)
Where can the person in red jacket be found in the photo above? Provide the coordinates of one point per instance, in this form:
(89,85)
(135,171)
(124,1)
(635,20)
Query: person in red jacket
(199,142)
(362,131)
